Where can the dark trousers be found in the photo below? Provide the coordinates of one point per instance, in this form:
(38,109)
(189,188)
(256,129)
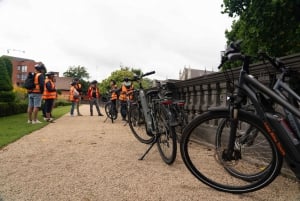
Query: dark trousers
(123,109)
(94,101)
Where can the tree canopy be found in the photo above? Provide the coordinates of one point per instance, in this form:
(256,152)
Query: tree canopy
(79,72)
(271,26)
(119,75)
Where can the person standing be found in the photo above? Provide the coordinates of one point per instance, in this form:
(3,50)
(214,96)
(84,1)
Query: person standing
(94,95)
(35,95)
(49,95)
(114,94)
(78,87)
(125,94)
(74,96)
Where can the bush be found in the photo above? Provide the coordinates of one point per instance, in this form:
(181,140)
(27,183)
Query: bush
(7,109)
(7,96)
(62,103)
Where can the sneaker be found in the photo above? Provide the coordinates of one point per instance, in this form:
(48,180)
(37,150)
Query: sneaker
(100,114)
(45,118)
(36,122)
(51,120)
(29,121)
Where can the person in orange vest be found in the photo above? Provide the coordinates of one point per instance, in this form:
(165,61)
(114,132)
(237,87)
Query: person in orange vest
(114,94)
(49,95)
(74,96)
(78,87)
(35,95)
(94,95)
(126,92)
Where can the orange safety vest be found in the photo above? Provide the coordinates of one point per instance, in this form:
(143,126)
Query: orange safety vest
(124,92)
(78,87)
(72,99)
(36,82)
(90,92)
(49,94)
(114,95)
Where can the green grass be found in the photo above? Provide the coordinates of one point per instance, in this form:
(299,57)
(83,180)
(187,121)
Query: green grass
(14,127)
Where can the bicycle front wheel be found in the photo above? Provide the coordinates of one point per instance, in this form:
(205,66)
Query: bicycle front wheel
(166,142)
(110,111)
(137,124)
(203,150)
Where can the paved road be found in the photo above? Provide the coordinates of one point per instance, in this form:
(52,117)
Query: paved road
(85,159)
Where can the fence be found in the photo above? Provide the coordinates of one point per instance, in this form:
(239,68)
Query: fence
(212,89)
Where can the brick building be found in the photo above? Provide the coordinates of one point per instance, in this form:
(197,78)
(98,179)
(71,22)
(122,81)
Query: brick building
(21,68)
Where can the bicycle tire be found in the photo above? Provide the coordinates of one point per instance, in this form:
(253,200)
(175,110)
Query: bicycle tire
(204,159)
(113,115)
(137,124)
(166,142)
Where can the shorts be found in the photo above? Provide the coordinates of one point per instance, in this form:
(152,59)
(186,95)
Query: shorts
(34,100)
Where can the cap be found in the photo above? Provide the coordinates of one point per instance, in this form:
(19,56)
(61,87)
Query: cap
(94,82)
(73,83)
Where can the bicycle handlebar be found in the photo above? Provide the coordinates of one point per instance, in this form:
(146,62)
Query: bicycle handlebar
(136,78)
(233,53)
(146,74)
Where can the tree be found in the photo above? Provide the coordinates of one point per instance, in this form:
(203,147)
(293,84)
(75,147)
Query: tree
(119,76)
(6,93)
(8,66)
(271,26)
(79,72)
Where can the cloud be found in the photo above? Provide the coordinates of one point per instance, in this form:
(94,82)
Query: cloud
(102,35)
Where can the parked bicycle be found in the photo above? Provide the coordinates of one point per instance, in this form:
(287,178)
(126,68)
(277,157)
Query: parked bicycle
(111,110)
(180,118)
(150,121)
(219,155)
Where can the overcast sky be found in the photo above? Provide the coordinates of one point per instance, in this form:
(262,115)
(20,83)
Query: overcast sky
(102,35)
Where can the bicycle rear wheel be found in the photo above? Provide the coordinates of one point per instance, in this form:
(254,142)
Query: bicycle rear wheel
(137,124)
(166,142)
(203,152)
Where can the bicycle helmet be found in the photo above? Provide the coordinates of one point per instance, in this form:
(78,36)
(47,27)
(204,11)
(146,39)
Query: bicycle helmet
(40,67)
(94,82)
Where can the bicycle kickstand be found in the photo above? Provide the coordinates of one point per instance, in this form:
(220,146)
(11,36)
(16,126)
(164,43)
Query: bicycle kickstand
(105,119)
(147,151)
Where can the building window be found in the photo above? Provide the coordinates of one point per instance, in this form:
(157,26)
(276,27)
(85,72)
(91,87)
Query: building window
(23,78)
(22,68)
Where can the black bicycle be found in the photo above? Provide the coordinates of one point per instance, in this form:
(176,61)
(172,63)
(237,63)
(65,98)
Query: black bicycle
(150,121)
(111,110)
(213,152)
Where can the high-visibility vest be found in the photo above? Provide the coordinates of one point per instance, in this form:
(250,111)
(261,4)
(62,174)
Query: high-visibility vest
(78,87)
(72,89)
(124,92)
(90,92)
(49,94)
(37,84)
(114,95)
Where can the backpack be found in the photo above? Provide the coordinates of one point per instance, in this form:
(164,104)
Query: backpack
(29,81)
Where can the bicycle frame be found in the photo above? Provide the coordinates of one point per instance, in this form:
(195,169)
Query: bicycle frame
(286,141)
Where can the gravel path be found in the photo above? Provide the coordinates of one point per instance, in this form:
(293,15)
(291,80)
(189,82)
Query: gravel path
(85,159)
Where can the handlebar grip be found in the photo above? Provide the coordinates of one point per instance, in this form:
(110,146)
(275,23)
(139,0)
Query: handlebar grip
(149,73)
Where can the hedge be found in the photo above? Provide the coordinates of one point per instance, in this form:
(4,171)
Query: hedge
(7,109)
